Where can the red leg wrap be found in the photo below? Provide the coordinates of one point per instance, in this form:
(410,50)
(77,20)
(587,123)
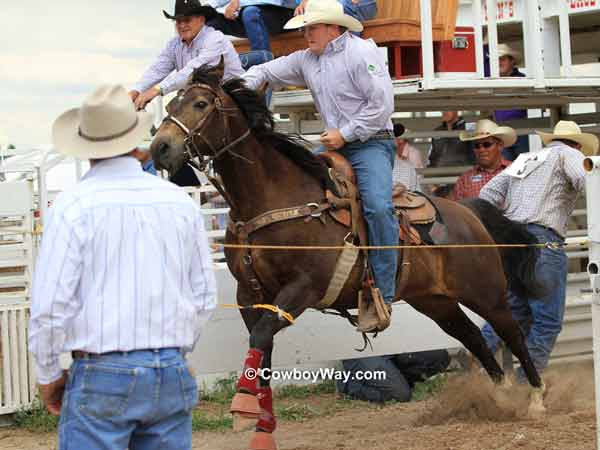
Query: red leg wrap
(248,381)
(267,421)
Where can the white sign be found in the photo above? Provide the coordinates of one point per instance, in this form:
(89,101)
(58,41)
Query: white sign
(526,163)
(512,10)
(583,5)
(507,11)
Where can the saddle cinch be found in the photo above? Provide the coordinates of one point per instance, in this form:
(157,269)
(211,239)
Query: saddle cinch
(412,209)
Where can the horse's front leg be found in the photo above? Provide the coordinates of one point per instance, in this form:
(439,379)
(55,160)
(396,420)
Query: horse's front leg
(263,435)
(253,403)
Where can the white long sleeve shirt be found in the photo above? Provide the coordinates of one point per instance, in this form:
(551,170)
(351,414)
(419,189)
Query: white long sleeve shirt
(178,60)
(124,265)
(350,84)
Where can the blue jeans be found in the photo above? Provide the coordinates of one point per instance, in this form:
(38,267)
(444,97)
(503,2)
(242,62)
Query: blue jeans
(540,318)
(363,10)
(140,400)
(521,146)
(373,162)
(254,58)
(255,23)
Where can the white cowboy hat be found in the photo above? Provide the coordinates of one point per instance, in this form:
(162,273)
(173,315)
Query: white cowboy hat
(329,12)
(570,130)
(486,128)
(506,50)
(106,125)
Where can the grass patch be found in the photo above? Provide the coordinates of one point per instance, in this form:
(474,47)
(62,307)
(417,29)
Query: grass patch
(427,388)
(292,404)
(297,412)
(298,392)
(36,418)
(202,421)
(222,392)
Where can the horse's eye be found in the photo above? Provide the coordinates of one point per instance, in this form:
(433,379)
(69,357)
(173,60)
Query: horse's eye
(200,105)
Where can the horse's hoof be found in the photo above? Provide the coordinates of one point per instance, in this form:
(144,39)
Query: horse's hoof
(245,410)
(242,422)
(506,383)
(536,408)
(262,441)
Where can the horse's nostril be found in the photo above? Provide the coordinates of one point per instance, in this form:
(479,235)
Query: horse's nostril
(163,149)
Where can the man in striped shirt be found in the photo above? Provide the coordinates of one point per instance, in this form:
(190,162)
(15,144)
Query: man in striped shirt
(540,189)
(123,282)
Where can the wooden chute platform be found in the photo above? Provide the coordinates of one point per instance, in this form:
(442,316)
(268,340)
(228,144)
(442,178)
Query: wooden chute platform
(397,22)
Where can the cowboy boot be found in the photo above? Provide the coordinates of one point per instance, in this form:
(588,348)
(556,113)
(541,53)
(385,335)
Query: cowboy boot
(374,314)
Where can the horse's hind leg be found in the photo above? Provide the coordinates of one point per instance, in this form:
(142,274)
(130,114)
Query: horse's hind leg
(450,318)
(510,332)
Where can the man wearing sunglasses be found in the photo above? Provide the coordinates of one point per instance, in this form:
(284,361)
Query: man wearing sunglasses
(488,142)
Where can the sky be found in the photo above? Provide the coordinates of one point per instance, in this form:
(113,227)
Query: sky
(55,52)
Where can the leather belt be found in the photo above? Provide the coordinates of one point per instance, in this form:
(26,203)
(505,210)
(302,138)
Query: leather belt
(383,134)
(78,354)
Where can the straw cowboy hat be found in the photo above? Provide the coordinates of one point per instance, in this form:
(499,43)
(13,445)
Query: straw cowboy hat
(486,128)
(329,12)
(106,125)
(570,130)
(189,8)
(505,50)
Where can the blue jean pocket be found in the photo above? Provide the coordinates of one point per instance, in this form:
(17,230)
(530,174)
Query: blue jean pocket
(189,388)
(106,390)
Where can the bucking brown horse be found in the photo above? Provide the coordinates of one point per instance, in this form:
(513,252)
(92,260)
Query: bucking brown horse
(229,126)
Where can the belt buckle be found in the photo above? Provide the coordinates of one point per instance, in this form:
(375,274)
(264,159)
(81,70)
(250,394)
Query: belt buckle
(78,354)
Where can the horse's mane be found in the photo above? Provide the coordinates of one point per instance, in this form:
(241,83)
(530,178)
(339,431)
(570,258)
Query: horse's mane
(260,120)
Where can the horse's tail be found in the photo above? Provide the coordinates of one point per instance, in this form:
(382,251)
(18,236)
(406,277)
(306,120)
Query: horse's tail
(519,262)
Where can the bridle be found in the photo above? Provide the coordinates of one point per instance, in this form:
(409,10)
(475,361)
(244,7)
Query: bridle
(191,150)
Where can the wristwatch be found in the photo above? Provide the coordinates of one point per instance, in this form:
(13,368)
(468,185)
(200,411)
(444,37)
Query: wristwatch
(159,90)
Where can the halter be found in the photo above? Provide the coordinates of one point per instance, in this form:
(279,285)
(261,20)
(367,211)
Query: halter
(191,150)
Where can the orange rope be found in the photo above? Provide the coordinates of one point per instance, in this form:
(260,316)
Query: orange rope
(391,247)
(280,312)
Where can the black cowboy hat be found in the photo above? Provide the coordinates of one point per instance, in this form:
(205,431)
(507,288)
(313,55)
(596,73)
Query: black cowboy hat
(188,8)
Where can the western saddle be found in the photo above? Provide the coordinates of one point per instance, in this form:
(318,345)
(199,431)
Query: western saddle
(410,208)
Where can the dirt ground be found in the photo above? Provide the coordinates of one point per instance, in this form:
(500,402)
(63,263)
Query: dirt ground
(468,414)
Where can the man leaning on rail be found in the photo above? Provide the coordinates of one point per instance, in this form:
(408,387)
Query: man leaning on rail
(124,282)
(540,189)
(196,44)
(353,93)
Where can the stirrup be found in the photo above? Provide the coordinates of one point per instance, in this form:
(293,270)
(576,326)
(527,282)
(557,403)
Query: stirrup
(374,315)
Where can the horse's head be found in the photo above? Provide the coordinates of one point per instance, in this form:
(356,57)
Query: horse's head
(202,121)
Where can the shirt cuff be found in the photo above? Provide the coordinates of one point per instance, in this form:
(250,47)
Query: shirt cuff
(347,133)
(48,373)
(167,86)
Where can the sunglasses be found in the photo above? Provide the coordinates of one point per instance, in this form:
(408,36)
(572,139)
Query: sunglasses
(486,144)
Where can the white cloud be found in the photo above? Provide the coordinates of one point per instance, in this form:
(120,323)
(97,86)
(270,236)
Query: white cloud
(53,53)
(71,68)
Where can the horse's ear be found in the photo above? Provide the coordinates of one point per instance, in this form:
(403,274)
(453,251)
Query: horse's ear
(219,69)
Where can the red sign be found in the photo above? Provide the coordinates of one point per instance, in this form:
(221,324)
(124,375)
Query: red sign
(576,5)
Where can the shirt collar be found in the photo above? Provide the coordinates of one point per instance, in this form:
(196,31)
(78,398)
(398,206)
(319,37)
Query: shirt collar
(338,44)
(119,166)
(503,165)
(553,144)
